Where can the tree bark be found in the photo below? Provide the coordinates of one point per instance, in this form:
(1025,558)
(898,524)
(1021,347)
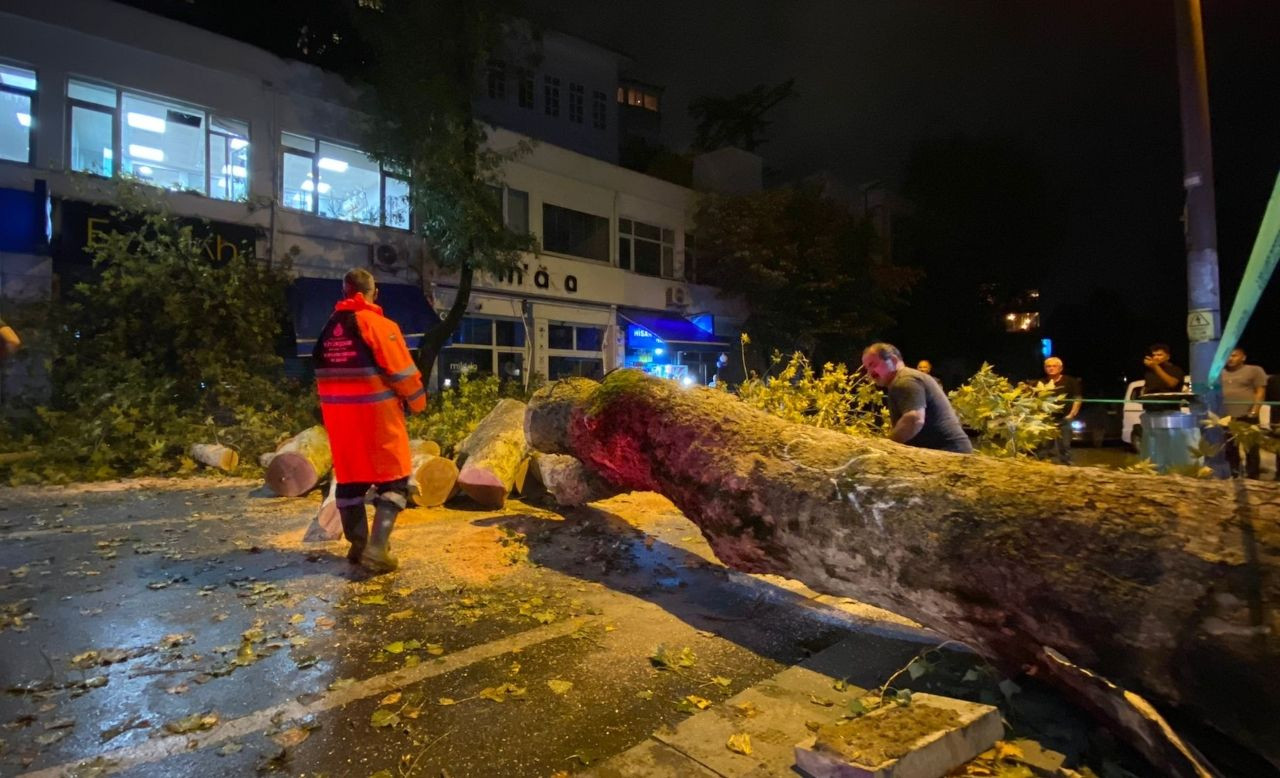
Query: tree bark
(215,455)
(569,481)
(1166,586)
(434,480)
(300,462)
(491,455)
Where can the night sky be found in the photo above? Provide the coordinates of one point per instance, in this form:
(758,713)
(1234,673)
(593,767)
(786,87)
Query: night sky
(1089,86)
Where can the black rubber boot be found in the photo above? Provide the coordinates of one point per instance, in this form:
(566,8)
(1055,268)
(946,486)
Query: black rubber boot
(377,555)
(355,528)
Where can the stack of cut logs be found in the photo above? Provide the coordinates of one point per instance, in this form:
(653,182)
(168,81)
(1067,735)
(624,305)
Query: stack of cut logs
(491,463)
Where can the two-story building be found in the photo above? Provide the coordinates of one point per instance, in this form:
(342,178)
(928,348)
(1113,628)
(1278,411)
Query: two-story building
(267,150)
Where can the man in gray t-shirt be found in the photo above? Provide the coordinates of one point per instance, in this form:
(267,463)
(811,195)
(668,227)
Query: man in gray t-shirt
(1243,387)
(920,412)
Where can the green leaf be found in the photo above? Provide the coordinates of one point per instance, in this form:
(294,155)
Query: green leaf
(384,718)
(394,648)
(558,686)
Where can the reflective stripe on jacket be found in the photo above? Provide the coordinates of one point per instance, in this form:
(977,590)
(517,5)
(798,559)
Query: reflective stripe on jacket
(366,377)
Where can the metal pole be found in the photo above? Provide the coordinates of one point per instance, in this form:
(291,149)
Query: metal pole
(1203,318)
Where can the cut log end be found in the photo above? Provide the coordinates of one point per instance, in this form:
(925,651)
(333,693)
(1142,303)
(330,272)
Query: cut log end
(290,474)
(484,487)
(433,480)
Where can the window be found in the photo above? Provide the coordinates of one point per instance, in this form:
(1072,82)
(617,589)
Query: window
(573,232)
(17,100)
(638,97)
(576,103)
(524,91)
(599,110)
(482,346)
(551,95)
(517,214)
(646,249)
(690,258)
(158,141)
(341,182)
(566,343)
(497,79)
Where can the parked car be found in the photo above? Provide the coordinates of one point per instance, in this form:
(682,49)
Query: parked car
(1131,426)
(1097,424)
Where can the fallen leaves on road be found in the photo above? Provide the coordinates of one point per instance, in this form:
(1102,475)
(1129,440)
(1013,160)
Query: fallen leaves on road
(291,737)
(739,743)
(196,722)
(558,686)
(391,699)
(662,659)
(501,693)
(384,718)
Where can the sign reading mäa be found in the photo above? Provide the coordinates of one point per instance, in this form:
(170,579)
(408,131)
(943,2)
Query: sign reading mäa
(1200,325)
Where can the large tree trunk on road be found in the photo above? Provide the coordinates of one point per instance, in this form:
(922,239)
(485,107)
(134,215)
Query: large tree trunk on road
(300,462)
(1167,586)
(491,455)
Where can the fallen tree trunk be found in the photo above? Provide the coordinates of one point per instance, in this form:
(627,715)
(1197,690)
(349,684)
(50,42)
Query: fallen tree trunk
(300,462)
(1166,586)
(569,481)
(433,481)
(490,456)
(417,446)
(215,455)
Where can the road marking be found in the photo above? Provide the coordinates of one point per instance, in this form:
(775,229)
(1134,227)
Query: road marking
(162,748)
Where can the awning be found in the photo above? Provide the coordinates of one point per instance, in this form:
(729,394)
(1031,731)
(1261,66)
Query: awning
(671,328)
(311,300)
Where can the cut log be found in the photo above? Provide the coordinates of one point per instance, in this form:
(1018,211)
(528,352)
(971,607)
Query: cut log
(1168,587)
(300,462)
(327,524)
(491,455)
(215,455)
(417,446)
(433,481)
(569,481)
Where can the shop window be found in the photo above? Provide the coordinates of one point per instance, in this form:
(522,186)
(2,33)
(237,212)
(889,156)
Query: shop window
(560,336)
(483,346)
(579,234)
(650,250)
(474,331)
(341,182)
(576,103)
(17,127)
(551,95)
(228,159)
(509,333)
(589,338)
(599,110)
(569,367)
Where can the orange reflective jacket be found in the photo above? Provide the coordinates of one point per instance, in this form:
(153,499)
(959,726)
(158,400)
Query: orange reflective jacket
(366,380)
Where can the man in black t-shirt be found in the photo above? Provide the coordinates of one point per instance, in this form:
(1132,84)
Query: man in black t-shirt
(1162,375)
(921,414)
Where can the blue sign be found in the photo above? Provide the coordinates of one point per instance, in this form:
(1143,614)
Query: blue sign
(640,333)
(1046,347)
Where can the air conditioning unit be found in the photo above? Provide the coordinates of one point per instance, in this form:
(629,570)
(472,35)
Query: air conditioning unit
(385,256)
(676,295)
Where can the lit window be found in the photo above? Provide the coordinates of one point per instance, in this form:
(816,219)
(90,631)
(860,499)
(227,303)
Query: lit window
(651,102)
(340,182)
(483,346)
(17,98)
(157,141)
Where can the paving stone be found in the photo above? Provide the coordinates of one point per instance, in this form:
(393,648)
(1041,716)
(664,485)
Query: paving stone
(650,759)
(932,756)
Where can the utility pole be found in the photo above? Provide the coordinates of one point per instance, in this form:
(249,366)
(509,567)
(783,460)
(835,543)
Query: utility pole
(1203,317)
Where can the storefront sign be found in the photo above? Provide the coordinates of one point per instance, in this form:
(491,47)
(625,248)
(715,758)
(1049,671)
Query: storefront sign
(541,277)
(81,226)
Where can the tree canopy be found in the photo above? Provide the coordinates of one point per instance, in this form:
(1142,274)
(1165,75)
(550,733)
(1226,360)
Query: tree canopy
(810,270)
(737,120)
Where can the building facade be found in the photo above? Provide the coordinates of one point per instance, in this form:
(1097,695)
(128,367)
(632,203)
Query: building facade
(267,151)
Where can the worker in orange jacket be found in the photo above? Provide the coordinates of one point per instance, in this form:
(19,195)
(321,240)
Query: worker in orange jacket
(367,381)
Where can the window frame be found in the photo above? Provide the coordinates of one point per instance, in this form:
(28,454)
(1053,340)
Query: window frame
(497,79)
(526,91)
(494,349)
(575,352)
(608,250)
(551,95)
(33,96)
(599,110)
(116,112)
(314,155)
(666,249)
(577,103)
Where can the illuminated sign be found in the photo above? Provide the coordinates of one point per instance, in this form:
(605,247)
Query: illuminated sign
(635,332)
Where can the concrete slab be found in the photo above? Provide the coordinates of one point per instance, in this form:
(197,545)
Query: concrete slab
(650,759)
(930,756)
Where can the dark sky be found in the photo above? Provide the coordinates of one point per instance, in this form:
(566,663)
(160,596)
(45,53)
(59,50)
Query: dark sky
(1090,86)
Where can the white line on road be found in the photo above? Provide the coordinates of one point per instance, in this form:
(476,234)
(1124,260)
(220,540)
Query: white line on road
(162,748)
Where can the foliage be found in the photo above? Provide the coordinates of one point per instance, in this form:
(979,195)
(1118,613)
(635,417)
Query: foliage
(166,347)
(835,399)
(737,120)
(426,61)
(454,413)
(809,270)
(1011,420)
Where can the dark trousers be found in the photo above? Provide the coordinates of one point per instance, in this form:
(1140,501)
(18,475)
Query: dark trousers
(391,499)
(1252,456)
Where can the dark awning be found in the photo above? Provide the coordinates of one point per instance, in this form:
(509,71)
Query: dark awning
(311,300)
(671,328)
